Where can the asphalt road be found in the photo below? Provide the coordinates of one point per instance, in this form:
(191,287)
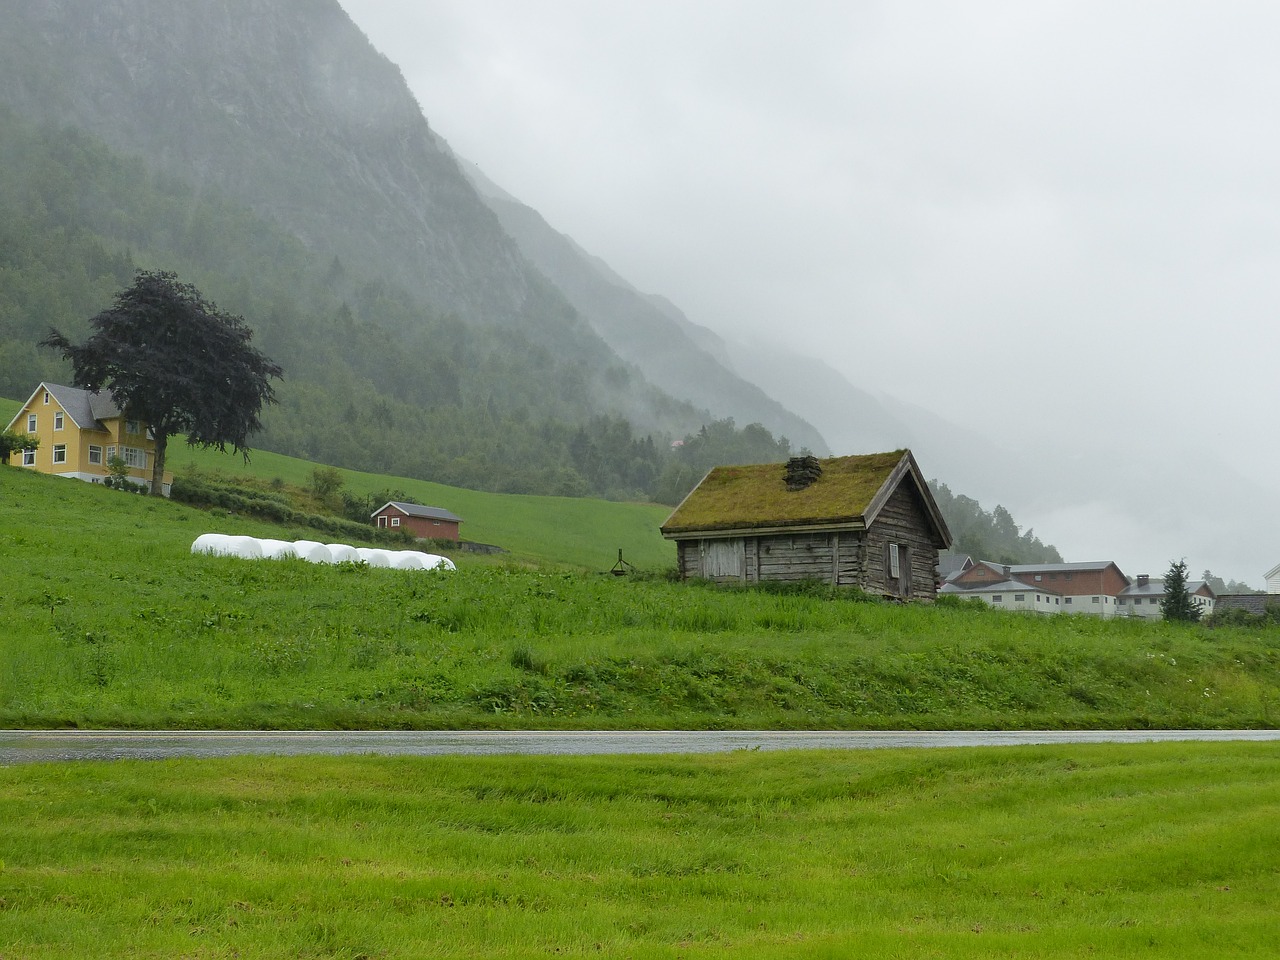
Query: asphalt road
(29,746)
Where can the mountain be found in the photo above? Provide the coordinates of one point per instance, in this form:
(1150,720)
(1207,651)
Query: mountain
(647,331)
(377,275)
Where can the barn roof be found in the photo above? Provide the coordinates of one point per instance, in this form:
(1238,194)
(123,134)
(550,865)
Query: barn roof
(849,491)
(418,510)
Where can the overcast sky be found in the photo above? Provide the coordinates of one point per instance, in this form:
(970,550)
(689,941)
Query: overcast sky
(1066,212)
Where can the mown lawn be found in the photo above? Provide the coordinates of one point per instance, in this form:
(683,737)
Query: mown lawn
(1052,852)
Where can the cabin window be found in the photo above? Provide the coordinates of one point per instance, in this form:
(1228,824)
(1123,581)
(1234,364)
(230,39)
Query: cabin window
(1096,600)
(57,420)
(135,457)
(46,397)
(59,453)
(28,458)
(95,453)
(435,523)
(997,598)
(895,568)
(1039,577)
(31,423)
(395,521)
(1067,600)
(1019,597)
(1154,600)
(131,426)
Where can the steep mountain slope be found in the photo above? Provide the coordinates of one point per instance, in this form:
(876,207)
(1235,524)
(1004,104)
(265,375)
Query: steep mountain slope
(646,331)
(285,105)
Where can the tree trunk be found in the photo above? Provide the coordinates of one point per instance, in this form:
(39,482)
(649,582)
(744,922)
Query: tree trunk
(157,467)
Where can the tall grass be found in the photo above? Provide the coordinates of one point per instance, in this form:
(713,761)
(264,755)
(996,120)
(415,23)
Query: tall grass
(108,620)
(1050,852)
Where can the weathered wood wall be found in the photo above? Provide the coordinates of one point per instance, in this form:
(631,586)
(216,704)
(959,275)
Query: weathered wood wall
(903,520)
(838,558)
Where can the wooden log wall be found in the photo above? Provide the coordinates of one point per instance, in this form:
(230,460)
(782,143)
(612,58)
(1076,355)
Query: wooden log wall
(903,520)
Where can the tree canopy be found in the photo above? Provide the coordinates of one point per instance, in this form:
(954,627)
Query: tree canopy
(174,361)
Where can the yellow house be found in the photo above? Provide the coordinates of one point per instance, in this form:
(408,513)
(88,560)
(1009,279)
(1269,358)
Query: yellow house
(80,433)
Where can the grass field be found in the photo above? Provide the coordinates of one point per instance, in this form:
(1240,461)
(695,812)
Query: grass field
(110,621)
(1047,852)
(580,533)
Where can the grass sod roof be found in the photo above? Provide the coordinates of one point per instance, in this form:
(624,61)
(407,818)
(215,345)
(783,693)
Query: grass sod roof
(742,497)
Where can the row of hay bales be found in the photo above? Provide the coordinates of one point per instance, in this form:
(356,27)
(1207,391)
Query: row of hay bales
(257,548)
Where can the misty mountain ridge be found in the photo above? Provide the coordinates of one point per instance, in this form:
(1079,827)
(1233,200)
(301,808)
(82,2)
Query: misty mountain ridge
(285,107)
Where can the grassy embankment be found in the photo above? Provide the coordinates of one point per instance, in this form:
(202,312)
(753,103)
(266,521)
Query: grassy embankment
(1052,852)
(110,621)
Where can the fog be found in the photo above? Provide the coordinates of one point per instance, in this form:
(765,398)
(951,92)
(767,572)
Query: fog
(1055,225)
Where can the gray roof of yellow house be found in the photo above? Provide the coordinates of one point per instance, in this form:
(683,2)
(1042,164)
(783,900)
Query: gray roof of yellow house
(85,408)
(848,493)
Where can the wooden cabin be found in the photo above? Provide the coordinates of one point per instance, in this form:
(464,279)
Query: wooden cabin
(434,523)
(861,521)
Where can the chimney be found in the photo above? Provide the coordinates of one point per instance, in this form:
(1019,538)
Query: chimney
(1008,571)
(1143,579)
(802,471)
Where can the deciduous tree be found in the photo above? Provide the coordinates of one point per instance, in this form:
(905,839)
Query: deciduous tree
(173,360)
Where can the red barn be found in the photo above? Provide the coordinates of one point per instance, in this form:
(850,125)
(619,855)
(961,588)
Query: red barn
(423,522)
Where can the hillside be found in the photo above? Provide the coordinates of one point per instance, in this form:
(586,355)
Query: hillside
(575,532)
(111,621)
(268,153)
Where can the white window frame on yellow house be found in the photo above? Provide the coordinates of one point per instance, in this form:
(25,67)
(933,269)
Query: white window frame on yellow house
(95,454)
(59,453)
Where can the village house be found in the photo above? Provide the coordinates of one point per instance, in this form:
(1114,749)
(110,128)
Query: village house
(80,434)
(1009,594)
(425,523)
(1091,587)
(1272,577)
(1144,597)
(860,521)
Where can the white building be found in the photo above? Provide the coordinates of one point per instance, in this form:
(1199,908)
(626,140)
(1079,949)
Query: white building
(1009,595)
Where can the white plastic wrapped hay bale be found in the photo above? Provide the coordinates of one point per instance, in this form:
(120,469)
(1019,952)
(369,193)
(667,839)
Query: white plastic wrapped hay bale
(408,560)
(417,560)
(343,553)
(277,549)
(246,548)
(212,543)
(312,551)
(374,557)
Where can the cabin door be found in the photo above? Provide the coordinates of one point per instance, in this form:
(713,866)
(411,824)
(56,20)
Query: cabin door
(724,559)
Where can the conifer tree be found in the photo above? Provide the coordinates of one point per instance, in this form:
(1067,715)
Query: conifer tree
(1177,603)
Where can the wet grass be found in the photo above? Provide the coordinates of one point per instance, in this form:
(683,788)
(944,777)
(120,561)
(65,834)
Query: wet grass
(109,621)
(1052,852)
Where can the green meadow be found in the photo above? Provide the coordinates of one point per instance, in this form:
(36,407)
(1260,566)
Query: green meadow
(1164,850)
(110,621)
